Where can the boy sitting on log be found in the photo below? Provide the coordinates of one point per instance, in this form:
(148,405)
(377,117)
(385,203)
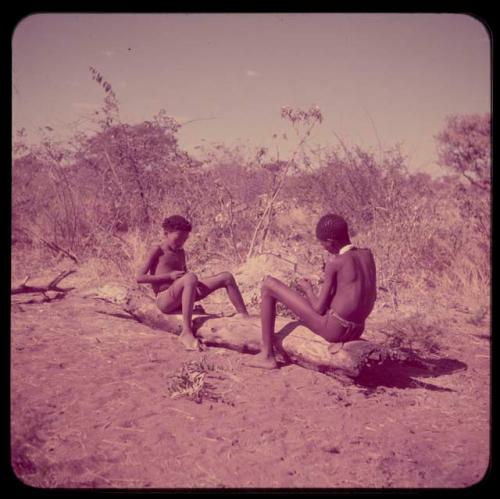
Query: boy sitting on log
(165,269)
(345,299)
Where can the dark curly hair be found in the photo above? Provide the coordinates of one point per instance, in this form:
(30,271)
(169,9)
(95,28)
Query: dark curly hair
(176,222)
(332,227)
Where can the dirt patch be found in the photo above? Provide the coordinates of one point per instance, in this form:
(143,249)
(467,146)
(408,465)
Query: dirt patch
(92,406)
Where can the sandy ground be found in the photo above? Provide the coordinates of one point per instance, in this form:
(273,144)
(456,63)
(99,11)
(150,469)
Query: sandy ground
(90,407)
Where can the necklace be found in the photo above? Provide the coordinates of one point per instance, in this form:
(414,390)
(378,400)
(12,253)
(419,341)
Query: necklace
(346,248)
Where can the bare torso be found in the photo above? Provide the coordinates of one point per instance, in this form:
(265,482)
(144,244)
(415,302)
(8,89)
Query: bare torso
(168,260)
(356,290)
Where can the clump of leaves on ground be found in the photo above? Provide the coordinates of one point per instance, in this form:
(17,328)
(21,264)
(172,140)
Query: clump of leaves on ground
(195,381)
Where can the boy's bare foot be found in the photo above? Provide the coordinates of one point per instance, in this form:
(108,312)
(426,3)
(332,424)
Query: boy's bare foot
(263,361)
(188,339)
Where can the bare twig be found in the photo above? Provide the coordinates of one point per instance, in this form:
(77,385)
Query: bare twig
(198,119)
(484,186)
(376,135)
(295,264)
(52,245)
(52,286)
(231,223)
(275,193)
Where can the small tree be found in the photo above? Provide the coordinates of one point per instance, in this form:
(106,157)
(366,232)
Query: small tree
(465,147)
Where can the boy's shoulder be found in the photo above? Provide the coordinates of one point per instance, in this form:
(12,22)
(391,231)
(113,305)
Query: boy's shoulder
(332,262)
(158,249)
(336,260)
(331,258)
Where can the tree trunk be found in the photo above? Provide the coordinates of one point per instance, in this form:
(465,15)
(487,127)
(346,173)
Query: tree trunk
(294,342)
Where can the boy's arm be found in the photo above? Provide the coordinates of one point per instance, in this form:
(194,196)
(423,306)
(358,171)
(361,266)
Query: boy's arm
(143,276)
(320,303)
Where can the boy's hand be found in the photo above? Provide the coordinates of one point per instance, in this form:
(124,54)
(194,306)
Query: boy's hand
(175,274)
(304,284)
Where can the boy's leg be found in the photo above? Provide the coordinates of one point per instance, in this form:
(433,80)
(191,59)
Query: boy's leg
(187,337)
(223,280)
(272,291)
(182,292)
(265,358)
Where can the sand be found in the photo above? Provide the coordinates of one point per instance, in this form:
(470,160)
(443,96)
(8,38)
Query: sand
(91,408)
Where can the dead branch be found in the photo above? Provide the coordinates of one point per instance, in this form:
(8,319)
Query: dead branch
(55,247)
(40,298)
(52,286)
(484,185)
(52,245)
(197,119)
(268,209)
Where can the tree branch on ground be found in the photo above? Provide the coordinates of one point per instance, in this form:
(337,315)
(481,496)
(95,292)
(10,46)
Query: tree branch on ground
(51,286)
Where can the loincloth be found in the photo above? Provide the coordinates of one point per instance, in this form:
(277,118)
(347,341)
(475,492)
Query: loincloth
(353,330)
(173,293)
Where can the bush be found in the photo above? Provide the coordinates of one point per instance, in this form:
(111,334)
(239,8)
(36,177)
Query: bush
(103,195)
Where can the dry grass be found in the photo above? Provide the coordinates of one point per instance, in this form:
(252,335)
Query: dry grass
(416,332)
(423,243)
(191,381)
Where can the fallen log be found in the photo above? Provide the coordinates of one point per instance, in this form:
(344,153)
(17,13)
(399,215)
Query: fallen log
(52,286)
(294,342)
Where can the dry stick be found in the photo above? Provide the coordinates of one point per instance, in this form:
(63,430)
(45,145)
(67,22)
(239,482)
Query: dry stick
(295,264)
(113,170)
(197,119)
(60,277)
(327,193)
(485,186)
(231,240)
(52,286)
(58,193)
(231,219)
(137,177)
(275,193)
(376,134)
(352,163)
(53,246)
(62,174)
(265,231)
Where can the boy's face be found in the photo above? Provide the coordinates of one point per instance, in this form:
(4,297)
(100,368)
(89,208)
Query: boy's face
(330,246)
(176,238)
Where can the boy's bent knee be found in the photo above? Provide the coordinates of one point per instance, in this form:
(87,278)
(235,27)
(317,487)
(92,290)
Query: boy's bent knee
(268,283)
(228,278)
(190,278)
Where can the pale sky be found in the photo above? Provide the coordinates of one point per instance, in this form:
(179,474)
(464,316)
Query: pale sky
(393,75)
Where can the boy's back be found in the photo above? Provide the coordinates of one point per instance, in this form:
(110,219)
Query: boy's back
(356,290)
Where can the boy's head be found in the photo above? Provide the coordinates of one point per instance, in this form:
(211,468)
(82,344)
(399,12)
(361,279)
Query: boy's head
(332,232)
(176,230)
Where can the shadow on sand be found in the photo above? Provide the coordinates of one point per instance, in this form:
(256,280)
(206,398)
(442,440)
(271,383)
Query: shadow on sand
(391,374)
(404,375)
(394,374)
